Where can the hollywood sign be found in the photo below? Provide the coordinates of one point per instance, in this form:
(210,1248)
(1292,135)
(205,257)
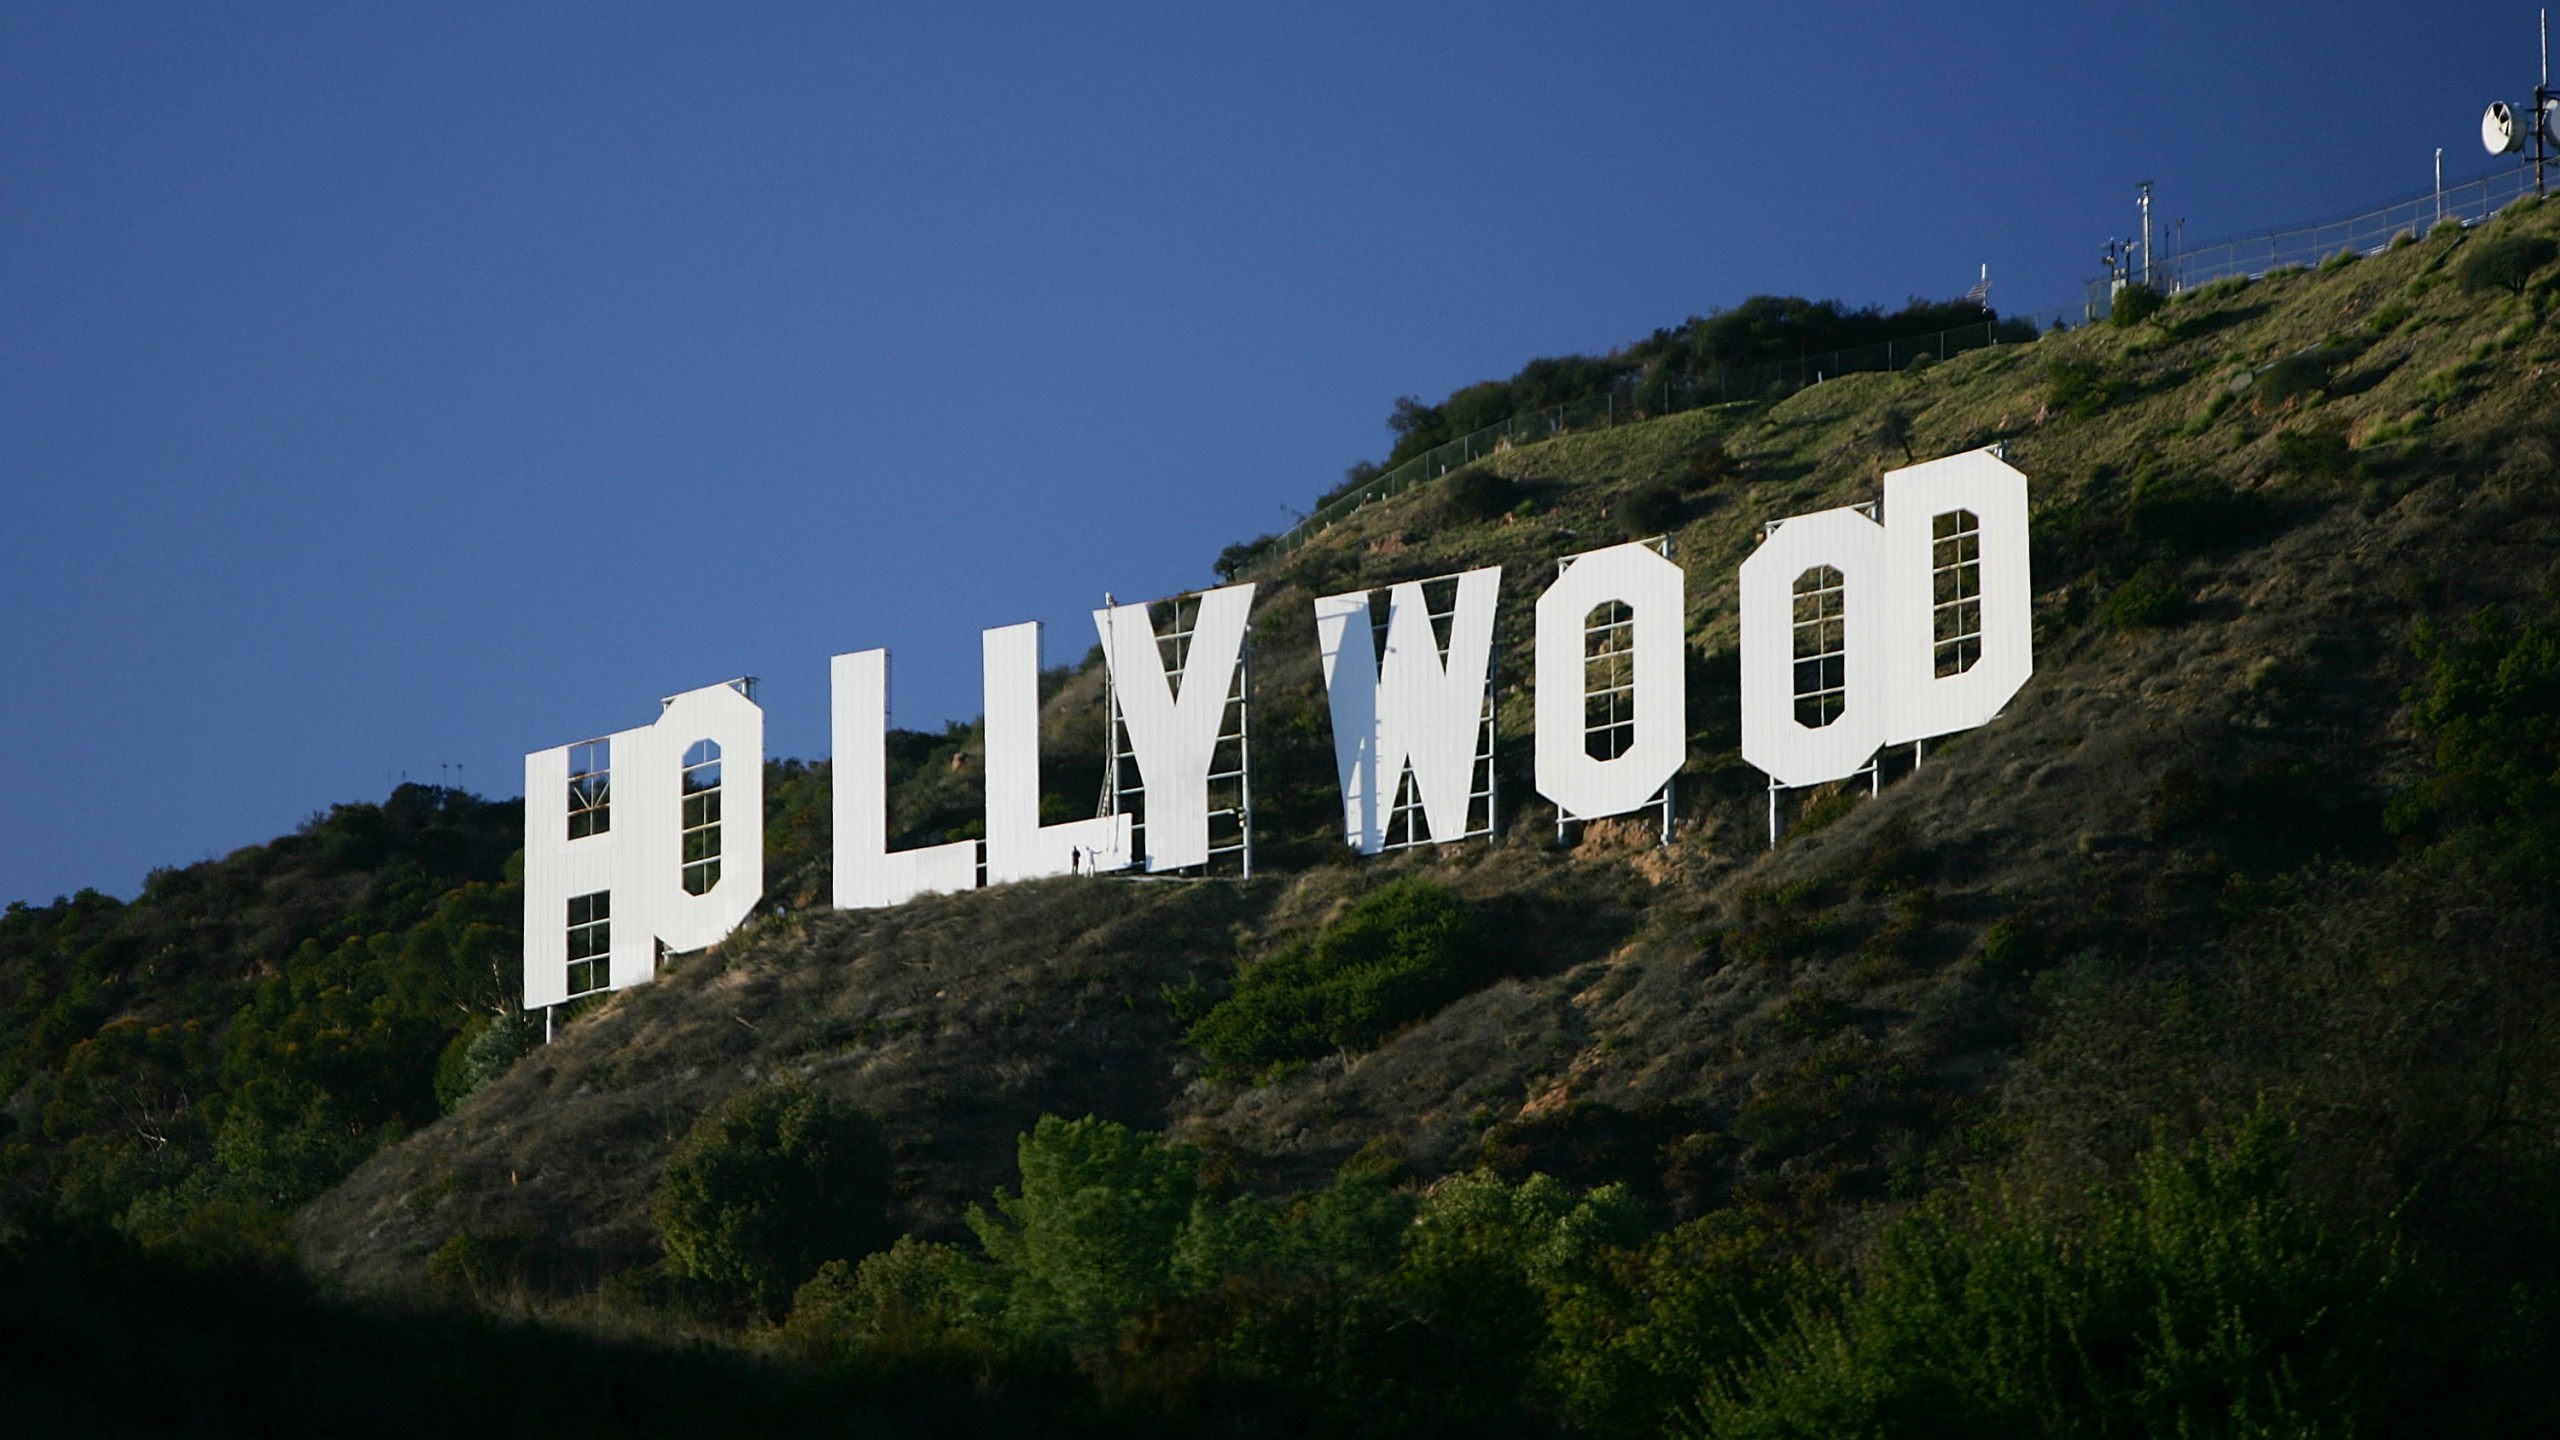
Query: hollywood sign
(1859,631)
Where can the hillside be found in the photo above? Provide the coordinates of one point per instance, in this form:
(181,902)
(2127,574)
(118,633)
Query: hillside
(2146,771)
(2265,845)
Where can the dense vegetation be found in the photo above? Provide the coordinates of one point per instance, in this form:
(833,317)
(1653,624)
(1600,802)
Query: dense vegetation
(1763,330)
(2202,1294)
(2178,1055)
(1403,951)
(1767,345)
(189,1067)
(766,1188)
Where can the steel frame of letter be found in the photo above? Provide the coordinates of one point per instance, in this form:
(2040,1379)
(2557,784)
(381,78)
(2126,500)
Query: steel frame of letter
(1893,694)
(1412,708)
(639,860)
(1174,731)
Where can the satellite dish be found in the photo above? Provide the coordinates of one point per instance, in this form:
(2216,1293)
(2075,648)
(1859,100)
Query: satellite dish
(2499,132)
(2551,121)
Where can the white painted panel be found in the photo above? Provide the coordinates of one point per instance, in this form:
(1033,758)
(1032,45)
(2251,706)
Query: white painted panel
(1175,736)
(686,922)
(1350,658)
(1919,703)
(867,873)
(1793,753)
(1410,708)
(1652,587)
(555,868)
(639,860)
(1019,847)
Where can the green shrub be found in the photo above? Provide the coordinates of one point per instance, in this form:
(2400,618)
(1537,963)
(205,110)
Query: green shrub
(480,1052)
(1653,509)
(1708,462)
(1783,922)
(1827,804)
(1891,431)
(2011,948)
(1403,951)
(476,1264)
(765,1188)
(2340,261)
(2078,387)
(2190,513)
(2291,378)
(2134,304)
(2153,597)
(2318,452)
(1477,492)
(2504,263)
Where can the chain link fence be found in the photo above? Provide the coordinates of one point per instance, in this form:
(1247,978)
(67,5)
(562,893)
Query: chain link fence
(2367,232)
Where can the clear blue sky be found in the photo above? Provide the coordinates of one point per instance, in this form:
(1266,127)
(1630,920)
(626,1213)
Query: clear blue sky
(389,387)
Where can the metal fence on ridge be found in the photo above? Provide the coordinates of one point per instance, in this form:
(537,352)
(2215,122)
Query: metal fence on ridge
(2367,232)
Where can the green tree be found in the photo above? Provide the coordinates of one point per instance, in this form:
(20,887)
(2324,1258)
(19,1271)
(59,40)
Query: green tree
(2204,1298)
(768,1186)
(2490,709)
(1091,1236)
(915,1303)
(1242,556)
(1641,1332)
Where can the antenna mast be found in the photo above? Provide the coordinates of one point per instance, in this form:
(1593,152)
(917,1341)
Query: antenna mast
(2146,232)
(2498,132)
